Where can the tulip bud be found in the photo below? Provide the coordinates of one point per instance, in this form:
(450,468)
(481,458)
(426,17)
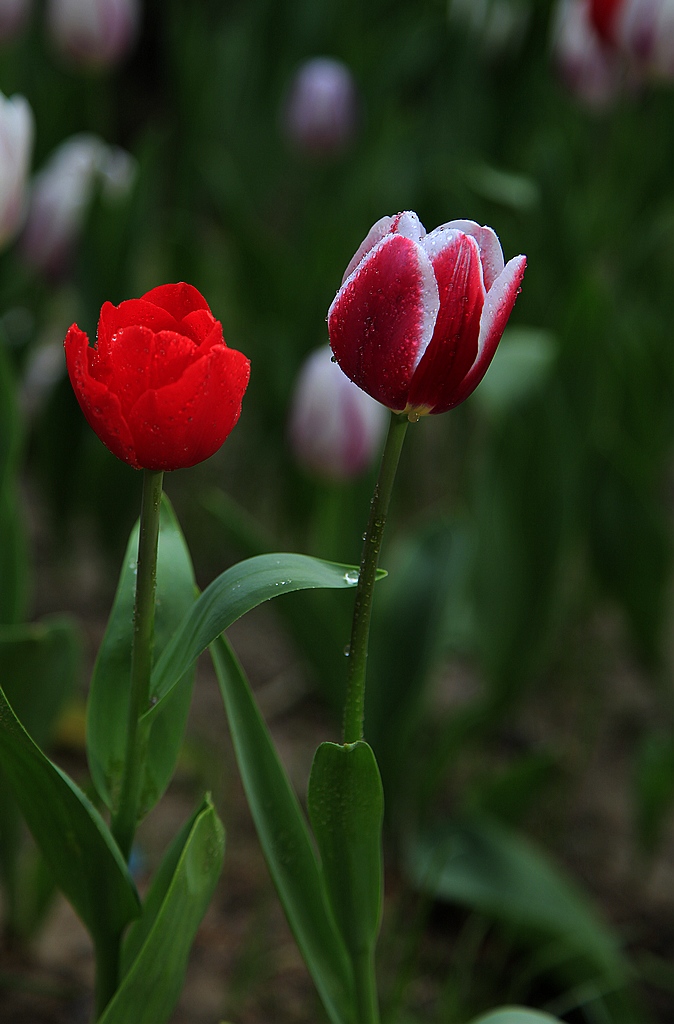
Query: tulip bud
(16,146)
(588,67)
(321,111)
(93,33)
(13,16)
(335,428)
(61,194)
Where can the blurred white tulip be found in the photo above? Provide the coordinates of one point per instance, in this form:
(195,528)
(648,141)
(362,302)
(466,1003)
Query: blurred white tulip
(335,429)
(61,194)
(94,33)
(320,115)
(16,147)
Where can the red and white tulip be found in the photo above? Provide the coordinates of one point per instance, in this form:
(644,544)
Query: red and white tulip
(418,317)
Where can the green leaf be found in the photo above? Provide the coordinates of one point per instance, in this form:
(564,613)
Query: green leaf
(157,949)
(516,1015)
(346,810)
(110,685)
(478,863)
(73,838)
(286,841)
(39,663)
(236,591)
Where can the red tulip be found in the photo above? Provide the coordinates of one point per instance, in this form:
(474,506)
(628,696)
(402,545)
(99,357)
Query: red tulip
(160,388)
(418,317)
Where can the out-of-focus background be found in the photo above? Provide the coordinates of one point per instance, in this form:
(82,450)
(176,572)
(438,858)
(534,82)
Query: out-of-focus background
(521,700)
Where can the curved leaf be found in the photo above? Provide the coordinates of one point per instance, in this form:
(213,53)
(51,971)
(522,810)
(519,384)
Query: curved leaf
(73,838)
(39,663)
(286,841)
(479,863)
(236,591)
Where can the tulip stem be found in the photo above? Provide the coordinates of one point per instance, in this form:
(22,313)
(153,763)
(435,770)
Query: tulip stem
(354,711)
(125,820)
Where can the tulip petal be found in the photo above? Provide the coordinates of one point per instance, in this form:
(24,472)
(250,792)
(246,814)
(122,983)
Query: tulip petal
(456,262)
(185,422)
(497,308)
(177,299)
(407,224)
(383,316)
(132,313)
(200,324)
(491,253)
(101,408)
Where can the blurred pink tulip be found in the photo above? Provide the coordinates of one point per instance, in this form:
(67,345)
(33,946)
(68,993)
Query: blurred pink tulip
(13,16)
(61,194)
(94,33)
(335,429)
(589,68)
(16,146)
(642,30)
(321,112)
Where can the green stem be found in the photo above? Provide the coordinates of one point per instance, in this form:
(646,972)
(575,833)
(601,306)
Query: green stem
(354,710)
(366,989)
(124,821)
(107,972)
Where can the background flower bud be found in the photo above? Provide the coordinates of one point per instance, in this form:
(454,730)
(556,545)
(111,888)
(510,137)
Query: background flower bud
(13,16)
(61,194)
(94,33)
(587,66)
(16,146)
(335,428)
(321,111)
(642,30)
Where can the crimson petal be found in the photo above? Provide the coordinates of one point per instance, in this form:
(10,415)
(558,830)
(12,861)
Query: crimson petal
(383,316)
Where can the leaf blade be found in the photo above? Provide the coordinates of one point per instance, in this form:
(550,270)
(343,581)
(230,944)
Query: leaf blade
(73,838)
(152,984)
(285,840)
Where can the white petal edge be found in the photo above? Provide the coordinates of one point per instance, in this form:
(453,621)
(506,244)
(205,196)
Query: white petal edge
(497,296)
(406,223)
(491,252)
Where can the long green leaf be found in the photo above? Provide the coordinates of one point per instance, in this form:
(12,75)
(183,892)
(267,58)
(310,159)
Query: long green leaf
(172,914)
(38,668)
(477,862)
(236,591)
(286,841)
(109,693)
(72,836)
